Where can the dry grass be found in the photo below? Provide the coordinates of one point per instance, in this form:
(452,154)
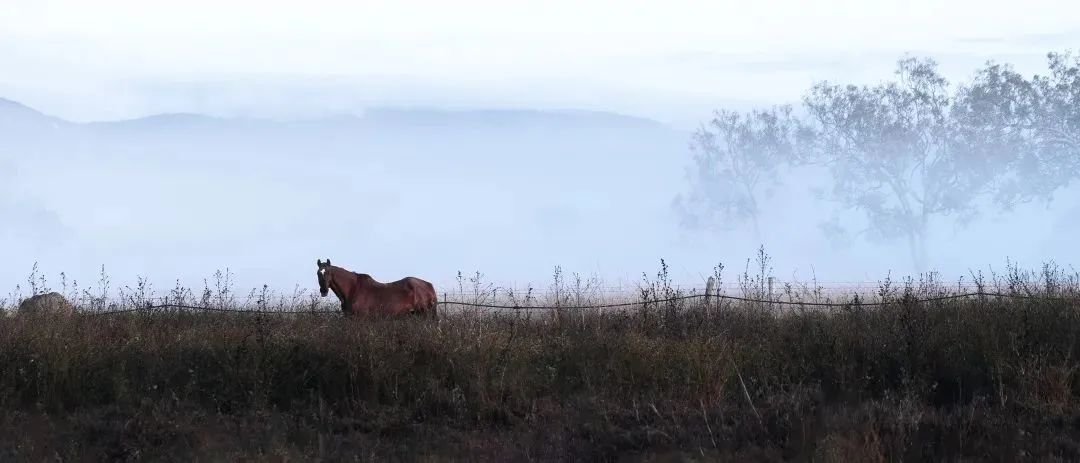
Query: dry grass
(981,379)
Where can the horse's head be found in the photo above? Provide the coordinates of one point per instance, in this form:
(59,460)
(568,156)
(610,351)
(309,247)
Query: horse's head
(324,276)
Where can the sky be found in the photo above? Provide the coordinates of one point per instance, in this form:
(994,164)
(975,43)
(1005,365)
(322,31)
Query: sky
(147,199)
(673,60)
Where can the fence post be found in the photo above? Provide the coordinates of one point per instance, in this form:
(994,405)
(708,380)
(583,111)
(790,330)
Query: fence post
(710,286)
(771,305)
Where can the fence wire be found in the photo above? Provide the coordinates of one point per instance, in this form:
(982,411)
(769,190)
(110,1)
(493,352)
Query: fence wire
(856,302)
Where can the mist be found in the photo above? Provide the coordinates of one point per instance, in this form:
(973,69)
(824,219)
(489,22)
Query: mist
(511,194)
(395,160)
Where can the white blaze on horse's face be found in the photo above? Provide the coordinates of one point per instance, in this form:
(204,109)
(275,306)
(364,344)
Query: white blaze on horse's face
(324,285)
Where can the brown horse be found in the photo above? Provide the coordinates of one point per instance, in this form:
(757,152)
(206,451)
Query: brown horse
(361,294)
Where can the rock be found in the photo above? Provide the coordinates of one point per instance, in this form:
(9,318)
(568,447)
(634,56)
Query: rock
(46,304)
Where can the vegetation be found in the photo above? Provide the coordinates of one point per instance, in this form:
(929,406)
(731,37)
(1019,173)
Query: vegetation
(737,158)
(985,378)
(901,153)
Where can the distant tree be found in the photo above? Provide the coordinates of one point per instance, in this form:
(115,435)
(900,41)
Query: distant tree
(888,148)
(1057,121)
(994,134)
(1024,134)
(736,163)
(903,153)
(907,151)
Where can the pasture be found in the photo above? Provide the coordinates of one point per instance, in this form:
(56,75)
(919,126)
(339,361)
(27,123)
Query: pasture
(905,376)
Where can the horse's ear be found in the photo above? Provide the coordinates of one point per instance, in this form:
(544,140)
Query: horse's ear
(318,262)
(327,261)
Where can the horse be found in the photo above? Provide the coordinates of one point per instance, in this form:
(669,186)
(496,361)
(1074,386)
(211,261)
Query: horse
(359,293)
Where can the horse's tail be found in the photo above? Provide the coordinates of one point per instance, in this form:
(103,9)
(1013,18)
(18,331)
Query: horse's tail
(433,302)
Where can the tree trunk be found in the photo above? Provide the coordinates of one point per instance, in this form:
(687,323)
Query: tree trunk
(917,246)
(753,211)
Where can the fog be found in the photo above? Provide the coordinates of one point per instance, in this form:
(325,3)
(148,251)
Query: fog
(509,193)
(175,169)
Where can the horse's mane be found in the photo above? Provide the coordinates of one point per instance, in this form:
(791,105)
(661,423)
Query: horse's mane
(362,276)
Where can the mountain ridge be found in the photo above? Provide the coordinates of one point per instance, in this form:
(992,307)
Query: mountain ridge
(16,115)
(14,110)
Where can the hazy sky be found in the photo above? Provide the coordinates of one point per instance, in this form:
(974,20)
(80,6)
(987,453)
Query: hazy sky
(123,196)
(671,60)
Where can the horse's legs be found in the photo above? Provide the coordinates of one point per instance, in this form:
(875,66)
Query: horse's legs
(422,312)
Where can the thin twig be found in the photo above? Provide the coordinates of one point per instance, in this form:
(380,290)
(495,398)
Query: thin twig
(746,393)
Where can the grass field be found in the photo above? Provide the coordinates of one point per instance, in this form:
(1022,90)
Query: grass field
(981,378)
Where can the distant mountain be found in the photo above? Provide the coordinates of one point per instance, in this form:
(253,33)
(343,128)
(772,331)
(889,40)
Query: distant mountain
(161,120)
(471,140)
(16,117)
(460,184)
(10,109)
(506,118)
(13,112)
(554,145)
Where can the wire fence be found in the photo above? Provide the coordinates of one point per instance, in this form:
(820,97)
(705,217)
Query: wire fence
(561,292)
(473,296)
(762,292)
(150,307)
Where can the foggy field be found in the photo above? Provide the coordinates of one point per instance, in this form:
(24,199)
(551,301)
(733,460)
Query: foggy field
(192,172)
(975,378)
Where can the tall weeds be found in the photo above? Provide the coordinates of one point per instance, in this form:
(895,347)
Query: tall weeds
(975,378)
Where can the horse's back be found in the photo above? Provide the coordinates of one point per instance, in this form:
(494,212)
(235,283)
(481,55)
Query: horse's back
(409,294)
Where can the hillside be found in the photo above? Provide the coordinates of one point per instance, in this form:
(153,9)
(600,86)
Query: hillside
(401,190)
